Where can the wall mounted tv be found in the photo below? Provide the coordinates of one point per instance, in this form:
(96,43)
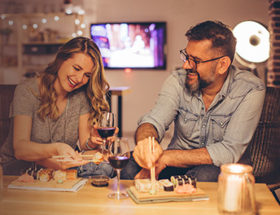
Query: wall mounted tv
(135,45)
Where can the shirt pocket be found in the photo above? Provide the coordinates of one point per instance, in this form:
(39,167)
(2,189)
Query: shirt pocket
(219,125)
(187,122)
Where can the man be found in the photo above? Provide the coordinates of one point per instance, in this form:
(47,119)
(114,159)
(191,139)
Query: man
(215,109)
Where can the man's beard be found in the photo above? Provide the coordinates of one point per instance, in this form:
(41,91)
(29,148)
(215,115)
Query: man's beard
(199,84)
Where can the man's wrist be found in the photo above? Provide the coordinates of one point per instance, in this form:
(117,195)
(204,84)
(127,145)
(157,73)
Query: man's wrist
(144,131)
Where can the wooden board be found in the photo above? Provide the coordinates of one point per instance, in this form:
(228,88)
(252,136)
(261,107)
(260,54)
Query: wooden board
(164,196)
(52,185)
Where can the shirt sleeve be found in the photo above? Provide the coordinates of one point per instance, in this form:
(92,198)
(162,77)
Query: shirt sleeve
(165,109)
(23,101)
(239,130)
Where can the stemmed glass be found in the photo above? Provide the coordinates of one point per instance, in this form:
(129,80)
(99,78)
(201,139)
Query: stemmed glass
(119,154)
(106,127)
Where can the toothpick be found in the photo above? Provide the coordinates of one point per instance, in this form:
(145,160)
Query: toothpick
(152,170)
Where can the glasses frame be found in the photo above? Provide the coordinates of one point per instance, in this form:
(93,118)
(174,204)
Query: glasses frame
(185,57)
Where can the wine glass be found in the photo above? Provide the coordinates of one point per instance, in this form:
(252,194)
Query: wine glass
(106,127)
(119,154)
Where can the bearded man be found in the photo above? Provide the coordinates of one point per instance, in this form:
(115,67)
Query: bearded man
(214,106)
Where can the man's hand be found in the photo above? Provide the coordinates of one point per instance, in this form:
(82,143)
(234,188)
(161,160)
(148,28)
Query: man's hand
(160,165)
(143,154)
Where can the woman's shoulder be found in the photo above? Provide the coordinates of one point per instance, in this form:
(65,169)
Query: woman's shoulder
(29,83)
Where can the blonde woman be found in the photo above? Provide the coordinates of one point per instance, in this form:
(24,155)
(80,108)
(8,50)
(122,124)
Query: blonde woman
(54,111)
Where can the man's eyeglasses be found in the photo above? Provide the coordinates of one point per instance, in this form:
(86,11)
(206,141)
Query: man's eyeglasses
(185,57)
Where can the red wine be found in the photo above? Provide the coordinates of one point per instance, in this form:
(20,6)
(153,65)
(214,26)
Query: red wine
(118,162)
(106,132)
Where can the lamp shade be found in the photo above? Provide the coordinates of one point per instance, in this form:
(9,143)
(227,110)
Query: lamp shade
(252,41)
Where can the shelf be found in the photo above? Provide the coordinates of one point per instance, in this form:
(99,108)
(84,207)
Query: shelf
(41,48)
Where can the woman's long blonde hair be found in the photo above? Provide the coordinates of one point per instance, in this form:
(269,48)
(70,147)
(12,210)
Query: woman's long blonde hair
(96,88)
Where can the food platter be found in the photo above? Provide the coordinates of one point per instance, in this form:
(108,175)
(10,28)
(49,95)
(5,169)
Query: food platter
(52,185)
(163,196)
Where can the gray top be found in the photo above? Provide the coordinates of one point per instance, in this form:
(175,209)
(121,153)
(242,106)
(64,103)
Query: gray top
(64,129)
(225,129)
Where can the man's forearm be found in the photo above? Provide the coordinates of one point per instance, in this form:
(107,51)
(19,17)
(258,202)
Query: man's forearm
(186,158)
(145,130)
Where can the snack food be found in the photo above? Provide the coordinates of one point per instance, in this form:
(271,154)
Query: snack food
(179,180)
(44,175)
(71,174)
(145,185)
(167,185)
(25,178)
(185,189)
(59,176)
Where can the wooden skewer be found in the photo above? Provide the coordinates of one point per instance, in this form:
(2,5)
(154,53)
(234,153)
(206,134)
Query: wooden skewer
(152,170)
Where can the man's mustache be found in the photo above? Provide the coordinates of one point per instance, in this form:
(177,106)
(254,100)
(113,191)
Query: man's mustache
(193,71)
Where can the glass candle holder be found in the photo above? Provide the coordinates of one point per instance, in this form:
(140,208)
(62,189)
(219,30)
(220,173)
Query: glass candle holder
(236,190)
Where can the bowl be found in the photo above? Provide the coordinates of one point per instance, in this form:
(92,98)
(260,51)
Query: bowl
(100,180)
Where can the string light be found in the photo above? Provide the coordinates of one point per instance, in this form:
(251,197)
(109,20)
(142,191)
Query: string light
(10,22)
(44,20)
(56,18)
(24,26)
(77,21)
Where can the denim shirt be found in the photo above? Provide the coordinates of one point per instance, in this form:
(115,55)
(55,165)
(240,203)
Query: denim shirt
(225,129)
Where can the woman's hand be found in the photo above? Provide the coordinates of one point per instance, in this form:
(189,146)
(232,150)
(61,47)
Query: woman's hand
(65,150)
(95,138)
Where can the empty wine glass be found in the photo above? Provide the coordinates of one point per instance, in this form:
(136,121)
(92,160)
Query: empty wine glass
(119,154)
(106,127)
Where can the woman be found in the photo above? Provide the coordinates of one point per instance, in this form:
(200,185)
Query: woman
(53,111)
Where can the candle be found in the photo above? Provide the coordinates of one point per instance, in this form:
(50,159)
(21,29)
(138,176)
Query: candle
(233,191)
(236,189)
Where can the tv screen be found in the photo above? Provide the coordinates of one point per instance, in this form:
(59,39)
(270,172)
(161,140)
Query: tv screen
(136,45)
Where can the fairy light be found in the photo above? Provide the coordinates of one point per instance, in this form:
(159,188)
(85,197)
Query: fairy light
(74,35)
(79,32)
(24,26)
(81,12)
(44,21)
(77,21)
(56,18)
(83,25)
(35,26)
(3,16)
(10,22)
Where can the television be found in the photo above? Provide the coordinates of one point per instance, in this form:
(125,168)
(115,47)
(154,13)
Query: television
(135,45)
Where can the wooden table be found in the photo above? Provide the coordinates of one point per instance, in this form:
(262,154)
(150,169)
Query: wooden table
(93,200)
(119,92)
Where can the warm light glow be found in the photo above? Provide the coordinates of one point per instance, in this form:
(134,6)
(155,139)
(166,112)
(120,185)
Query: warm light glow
(127,70)
(252,41)
(44,20)
(83,25)
(56,18)
(236,168)
(35,26)
(77,21)
(79,32)
(11,22)
(24,26)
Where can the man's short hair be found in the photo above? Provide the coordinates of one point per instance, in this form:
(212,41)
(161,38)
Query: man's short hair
(220,35)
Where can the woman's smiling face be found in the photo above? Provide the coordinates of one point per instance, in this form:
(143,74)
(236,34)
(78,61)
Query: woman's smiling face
(74,73)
